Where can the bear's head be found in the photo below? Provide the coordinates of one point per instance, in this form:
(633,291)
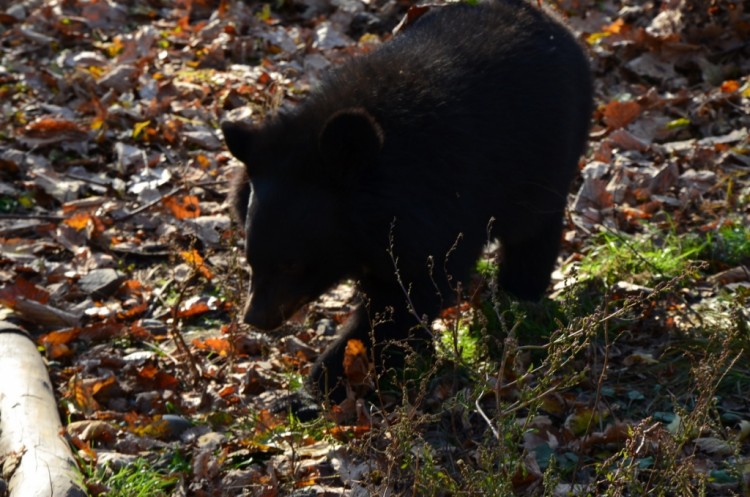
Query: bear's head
(293,201)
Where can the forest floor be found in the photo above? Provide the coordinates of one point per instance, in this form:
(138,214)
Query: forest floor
(119,256)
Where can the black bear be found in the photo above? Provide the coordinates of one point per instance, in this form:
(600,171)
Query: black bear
(467,125)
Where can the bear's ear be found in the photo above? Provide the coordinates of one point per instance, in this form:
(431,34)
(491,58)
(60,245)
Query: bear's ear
(351,140)
(239,140)
(239,197)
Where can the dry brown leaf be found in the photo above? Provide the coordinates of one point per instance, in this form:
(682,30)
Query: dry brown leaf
(51,129)
(22,288)
(81,396)
(60,337)
(620,114)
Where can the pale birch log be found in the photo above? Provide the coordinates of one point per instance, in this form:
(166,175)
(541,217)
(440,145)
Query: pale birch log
(36,460)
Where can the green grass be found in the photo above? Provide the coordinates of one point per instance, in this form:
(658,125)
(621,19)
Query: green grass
(731,244)
(656,255)
(139,479)
(643,259)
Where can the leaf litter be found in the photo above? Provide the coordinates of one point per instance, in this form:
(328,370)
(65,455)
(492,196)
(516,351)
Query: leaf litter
(119,256)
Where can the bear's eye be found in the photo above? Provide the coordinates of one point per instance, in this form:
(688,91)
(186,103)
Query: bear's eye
(292,268)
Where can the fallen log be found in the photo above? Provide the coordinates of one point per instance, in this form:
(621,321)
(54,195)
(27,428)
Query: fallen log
(36,460)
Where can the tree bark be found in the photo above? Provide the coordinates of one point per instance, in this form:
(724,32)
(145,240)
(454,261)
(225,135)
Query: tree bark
(36,460)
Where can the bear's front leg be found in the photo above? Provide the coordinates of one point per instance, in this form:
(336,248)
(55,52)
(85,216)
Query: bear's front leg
(396,332)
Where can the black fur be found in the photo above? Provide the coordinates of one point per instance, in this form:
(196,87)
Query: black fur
(472,113)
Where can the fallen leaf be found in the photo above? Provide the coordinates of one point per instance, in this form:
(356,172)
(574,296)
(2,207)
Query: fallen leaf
(195,260)
(730,86)
(80,396)
(48,130)
(22,288)
(620,114)
(221,346)
(185,207)
(713,445)
(356,365)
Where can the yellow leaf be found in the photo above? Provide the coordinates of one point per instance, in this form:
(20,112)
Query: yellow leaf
(97,123)
(139,127)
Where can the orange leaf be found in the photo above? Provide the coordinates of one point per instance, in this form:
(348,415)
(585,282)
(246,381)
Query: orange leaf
(98,386)
(132,288)
(148,372)
(195,309)
(730,86)
(264,79)
(60,336)
(185,207)
(133,311)
(22,288)
(46,126)
(616,27)
(266,421)
(356,365)
(83,446)
(620,114)
(154,377)
(193,258)
(306,483)
(58,350)
(346,433)
(219,345)
(203,161)
(78,221)
(227,391)
(81,396)
(455,312)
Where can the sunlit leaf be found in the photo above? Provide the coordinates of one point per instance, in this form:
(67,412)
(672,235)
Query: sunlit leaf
(228,391)
(60,336)
(221,346)
(195,308)
(185,207)
(78,221)
(194,258)
(134,311)
(139,127)
(356,365)
(113,49)
(103,383)
(730,86)
(347,433)
(678,123)
(47,127)
(22,288)
(80,396)
(617,27)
